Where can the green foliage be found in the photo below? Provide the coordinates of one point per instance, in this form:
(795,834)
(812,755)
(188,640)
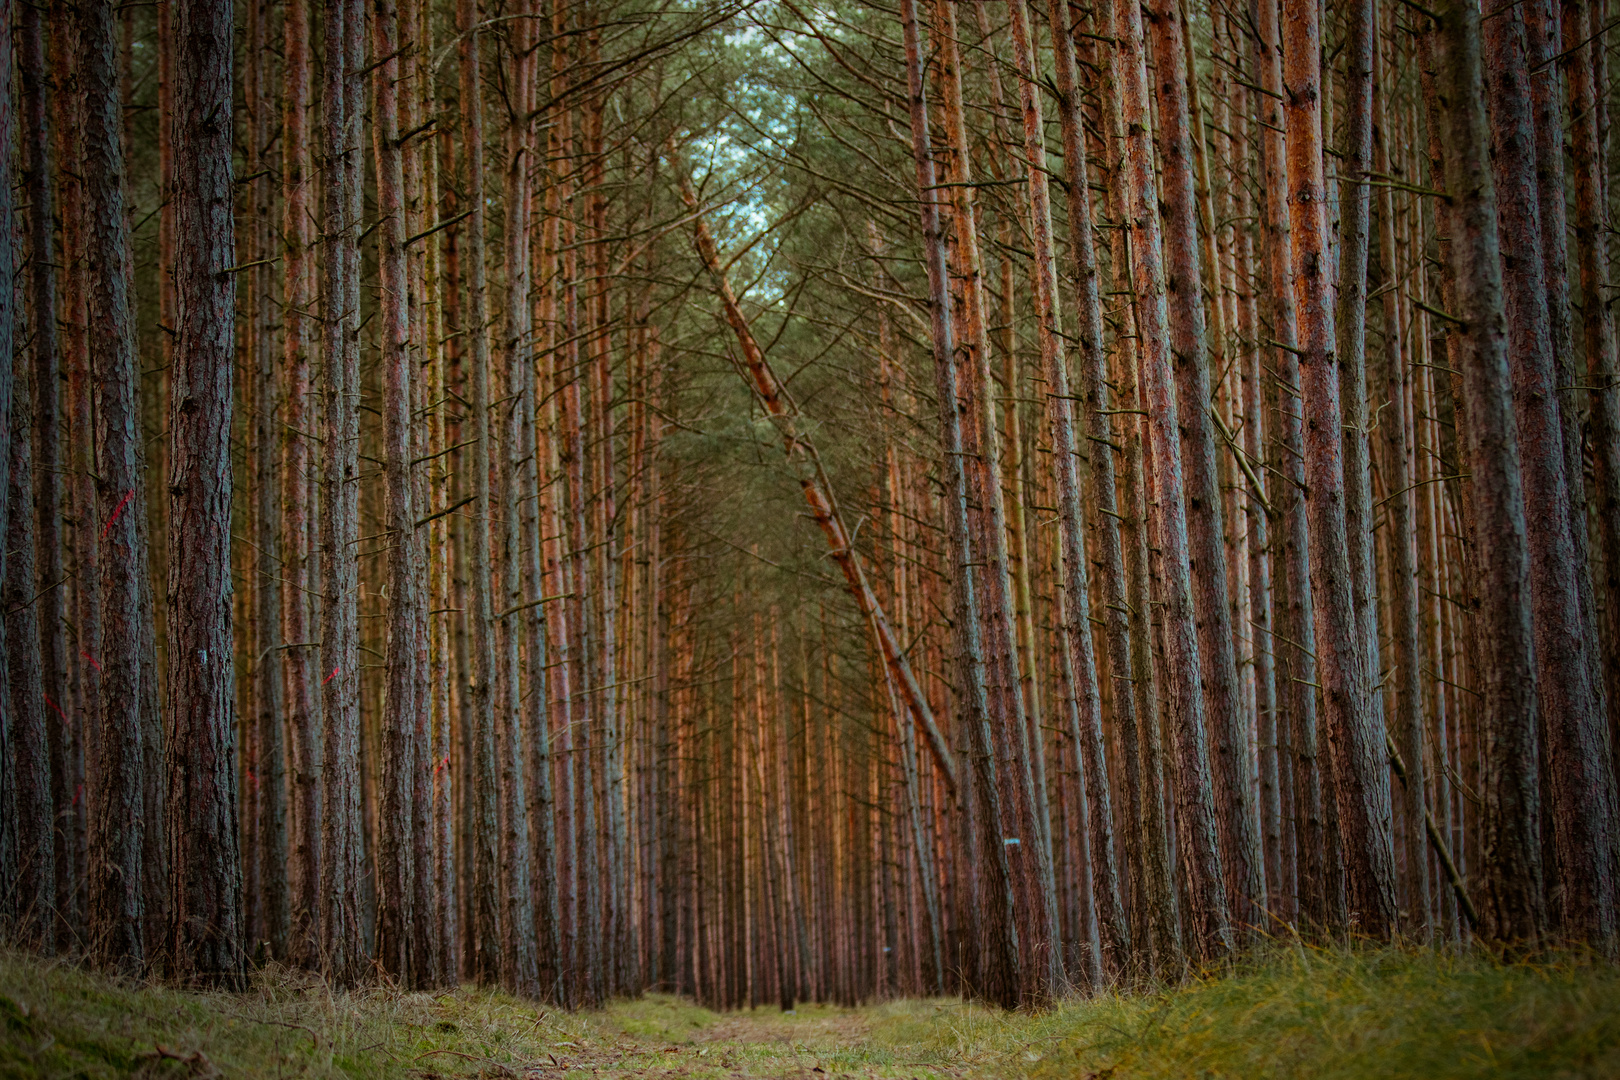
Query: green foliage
(1339,1014)
(1305,1013)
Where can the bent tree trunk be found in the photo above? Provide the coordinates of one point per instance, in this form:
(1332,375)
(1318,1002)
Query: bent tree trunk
(818,492)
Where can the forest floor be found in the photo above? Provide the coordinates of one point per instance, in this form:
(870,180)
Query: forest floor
(1298,1013)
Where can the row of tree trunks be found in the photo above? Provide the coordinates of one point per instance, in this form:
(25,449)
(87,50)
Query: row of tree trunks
(524,707)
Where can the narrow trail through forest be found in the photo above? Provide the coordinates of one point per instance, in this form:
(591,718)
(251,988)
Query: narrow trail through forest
(1348,1014)
(1103,510)
(665,1037)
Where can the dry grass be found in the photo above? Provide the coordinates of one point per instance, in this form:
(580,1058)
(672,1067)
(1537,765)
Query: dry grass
(1298,1013)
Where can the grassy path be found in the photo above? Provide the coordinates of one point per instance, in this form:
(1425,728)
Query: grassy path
(1303,1013)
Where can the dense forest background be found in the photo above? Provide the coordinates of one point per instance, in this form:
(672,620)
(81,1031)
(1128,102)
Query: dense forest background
(780,500)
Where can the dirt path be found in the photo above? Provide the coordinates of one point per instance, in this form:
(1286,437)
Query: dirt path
(665,1038)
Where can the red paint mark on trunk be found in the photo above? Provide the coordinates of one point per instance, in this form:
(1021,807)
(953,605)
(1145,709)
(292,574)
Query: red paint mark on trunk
(86,655)
(128,495)
(57,708)
(330,677)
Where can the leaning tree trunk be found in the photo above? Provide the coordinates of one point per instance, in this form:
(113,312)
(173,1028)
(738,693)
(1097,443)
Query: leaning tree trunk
(206,933)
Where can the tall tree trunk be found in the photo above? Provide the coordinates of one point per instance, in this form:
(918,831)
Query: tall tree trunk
(30,903)
(17,769)
(1048,971)
(1355,735)
(33,732)
(207,917)
(1597,318)
(1405,613)
(82,690)
(1544,40)
(1210,929)
(1571,710)
(1588,143)
(401,720)
(1156,911)
(1354,229)
(1516,909)
(520,966)
(542,807)
(1099,431)
(117,805)
(47,435)
(299,658)
(270,783)
(1305,836)
(1241,857)
(999,974)
(342,942)
(486,943)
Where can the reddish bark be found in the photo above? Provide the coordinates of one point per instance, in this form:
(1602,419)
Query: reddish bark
(1516,909)
(1355,731)
(401,722)
(1588,146)
(1570,703)
(485,929)
(299,658)
(341,856)
(1210,929)
(117,809)
(206,914)
(1099,432)
(999,961)
(1238,824)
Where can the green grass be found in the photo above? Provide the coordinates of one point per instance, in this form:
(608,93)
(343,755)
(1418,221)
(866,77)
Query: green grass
(1306,1013)
(1298,1013)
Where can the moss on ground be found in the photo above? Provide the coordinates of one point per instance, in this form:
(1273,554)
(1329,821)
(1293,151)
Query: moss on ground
(1340,1014)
